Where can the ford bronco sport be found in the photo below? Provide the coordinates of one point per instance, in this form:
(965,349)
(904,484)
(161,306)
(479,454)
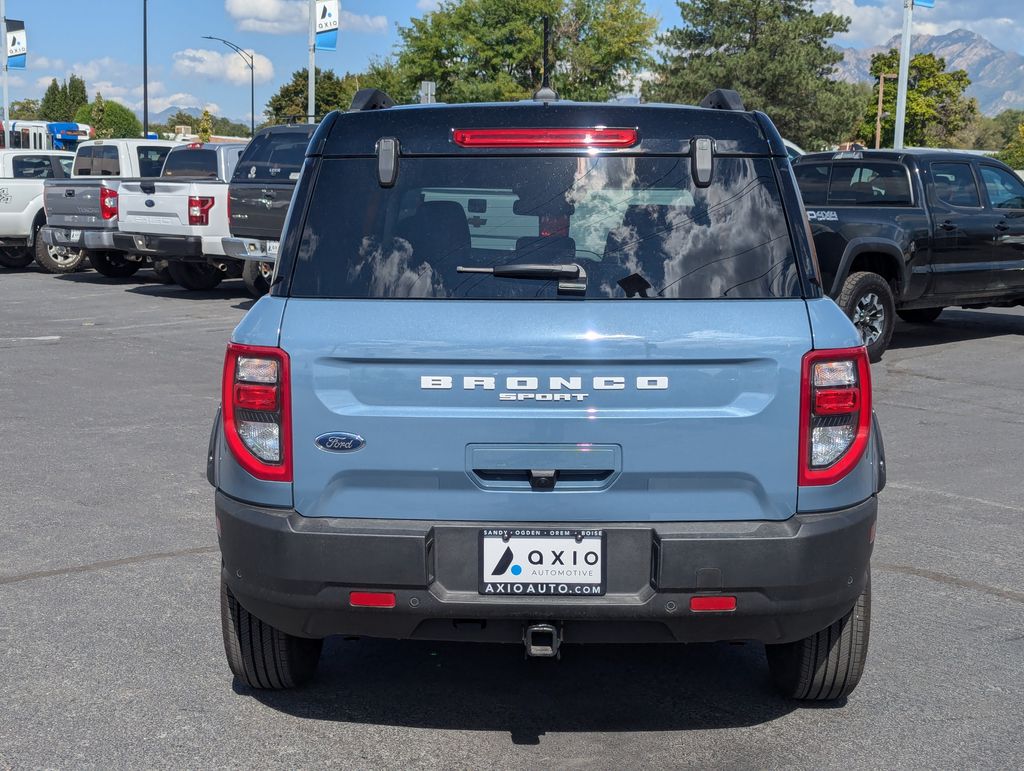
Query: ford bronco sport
(547,373)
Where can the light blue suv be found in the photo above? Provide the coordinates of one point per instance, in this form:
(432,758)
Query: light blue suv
(547,373)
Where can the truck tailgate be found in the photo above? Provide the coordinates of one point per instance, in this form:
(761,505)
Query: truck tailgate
(76,202)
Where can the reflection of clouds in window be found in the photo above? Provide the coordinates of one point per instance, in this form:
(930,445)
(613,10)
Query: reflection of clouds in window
(389,273)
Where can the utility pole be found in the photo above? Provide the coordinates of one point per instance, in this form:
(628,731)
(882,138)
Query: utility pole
(901,94)
(878,115)
(3,34)
(311,102)
(145,69)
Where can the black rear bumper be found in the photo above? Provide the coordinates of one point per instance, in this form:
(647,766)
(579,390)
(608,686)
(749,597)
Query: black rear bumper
(167,247)
(790,578)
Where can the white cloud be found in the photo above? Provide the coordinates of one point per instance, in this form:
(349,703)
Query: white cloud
(45,63)
(428,5)
(226,65)
(213,107)
(286,17)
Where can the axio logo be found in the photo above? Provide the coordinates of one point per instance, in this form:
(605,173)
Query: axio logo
(340,442)
(505,563)
(822,216)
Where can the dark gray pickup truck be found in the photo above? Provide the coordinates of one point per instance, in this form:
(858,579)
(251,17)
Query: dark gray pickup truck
(909,233)
(81,212)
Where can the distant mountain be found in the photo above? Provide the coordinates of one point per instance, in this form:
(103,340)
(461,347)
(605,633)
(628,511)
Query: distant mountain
(164,115)
(997,76)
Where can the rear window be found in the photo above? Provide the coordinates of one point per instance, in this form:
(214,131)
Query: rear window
(32,167)
(273,157)
(105,162)
(860,183)
(637,225)
(151,160)
(83,161)
(189,162)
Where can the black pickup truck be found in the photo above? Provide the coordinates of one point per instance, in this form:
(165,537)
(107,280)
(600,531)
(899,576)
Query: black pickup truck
(908,233)
(258,198)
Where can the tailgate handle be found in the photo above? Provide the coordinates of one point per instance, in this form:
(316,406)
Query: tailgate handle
(543,479)
(69,193)
(148,187)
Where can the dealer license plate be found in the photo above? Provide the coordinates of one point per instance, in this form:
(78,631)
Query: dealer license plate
(272,248)
(74,235)
(532,562)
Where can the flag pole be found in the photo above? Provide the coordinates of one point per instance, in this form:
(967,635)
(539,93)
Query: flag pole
(3,34)
(311,102)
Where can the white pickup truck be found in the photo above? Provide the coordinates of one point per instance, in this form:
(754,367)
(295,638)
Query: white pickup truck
(82,211)
(181,217)
(22,173)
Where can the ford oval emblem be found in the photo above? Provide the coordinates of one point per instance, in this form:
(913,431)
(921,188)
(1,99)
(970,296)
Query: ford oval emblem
(150,203)
(340,442)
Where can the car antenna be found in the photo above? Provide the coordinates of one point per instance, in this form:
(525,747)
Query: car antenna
(546,93)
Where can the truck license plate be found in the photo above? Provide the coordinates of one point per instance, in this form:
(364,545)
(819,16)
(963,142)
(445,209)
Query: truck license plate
(272,248)
(74,235)
(532,562)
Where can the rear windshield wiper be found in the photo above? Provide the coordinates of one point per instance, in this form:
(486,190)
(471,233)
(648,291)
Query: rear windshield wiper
(571,277)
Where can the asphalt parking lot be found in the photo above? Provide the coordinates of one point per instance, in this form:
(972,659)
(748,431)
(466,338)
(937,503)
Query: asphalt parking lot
(110,647)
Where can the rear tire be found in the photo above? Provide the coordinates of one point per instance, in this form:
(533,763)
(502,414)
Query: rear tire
(920,315)
(194,276)
(868,300)
(57,259)
(260,655)
(163,275)
(16,258)
(113,264)
(829,664)
(257,277)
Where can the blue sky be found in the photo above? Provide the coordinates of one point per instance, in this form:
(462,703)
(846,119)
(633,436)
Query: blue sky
(103,42)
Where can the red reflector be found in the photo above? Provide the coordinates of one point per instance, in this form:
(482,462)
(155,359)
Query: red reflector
(371,599)
(836,401)
(717,602)
(256,397)
(599,136)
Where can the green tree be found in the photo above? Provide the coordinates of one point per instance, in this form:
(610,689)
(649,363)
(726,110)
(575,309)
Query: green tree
(54,105)
(332,93)
(75,95)
(25,109)
(109,119)
(205,126)
(491,50)
(937,109)
(775,53)
(1013,154)
(228,128)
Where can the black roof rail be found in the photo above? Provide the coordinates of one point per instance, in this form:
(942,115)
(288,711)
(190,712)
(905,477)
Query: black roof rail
(370,99)
(723,99)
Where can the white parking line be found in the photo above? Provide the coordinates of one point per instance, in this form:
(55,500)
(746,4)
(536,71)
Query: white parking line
(954,496)
(28,339)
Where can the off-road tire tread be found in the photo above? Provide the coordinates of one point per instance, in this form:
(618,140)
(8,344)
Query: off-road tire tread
(261,656)
(16,260)
(43,259)
(254,281)
(827,665)
(853,286)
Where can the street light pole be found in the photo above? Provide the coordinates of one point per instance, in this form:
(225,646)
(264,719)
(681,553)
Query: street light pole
(901,94)
(249,59)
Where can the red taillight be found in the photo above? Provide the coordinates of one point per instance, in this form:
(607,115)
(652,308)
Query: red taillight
(108,203)
(371,599)
(199,209)
(597,137)
(257,414)
(194,145)
(712,603)
(835,414)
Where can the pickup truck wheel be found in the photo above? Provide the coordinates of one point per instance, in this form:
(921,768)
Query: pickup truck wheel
(257,276)
(113,264)
(16,258)
(163,275)
(194,276)
(260,655)
(57,259)
(827,665)
(867,299)
(920,315)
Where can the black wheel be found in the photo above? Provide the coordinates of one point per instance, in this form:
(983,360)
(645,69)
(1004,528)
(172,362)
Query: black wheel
(194,276)
(57,259)
(16,258)
(920,315)
(260,655)
(867,299)
(114,264)
(827,665)
(160,270)
(257,277)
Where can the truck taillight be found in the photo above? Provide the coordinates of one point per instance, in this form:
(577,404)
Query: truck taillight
(835,414)
(199,209)
(108,203)
(257,413)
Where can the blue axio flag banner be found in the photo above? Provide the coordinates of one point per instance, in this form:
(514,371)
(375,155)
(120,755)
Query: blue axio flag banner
(327,13)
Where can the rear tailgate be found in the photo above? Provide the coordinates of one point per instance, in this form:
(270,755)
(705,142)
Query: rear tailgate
(693,404)
(152,206)
(258,209)
(75,203)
